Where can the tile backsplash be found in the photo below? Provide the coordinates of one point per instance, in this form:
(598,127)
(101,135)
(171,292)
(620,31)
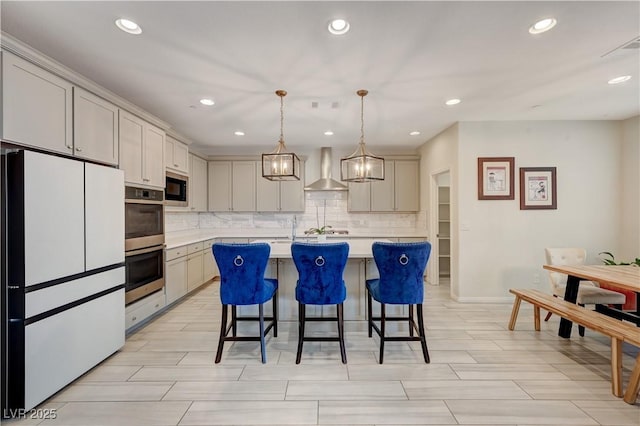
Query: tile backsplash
(317,213)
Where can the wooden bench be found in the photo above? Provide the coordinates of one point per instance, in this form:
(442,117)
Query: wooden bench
(618,331)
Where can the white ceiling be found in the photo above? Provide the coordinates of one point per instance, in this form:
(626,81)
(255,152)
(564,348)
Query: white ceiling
(411,56)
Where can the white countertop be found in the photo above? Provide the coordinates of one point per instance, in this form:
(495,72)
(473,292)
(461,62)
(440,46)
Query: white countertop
(181,238)
(358,248)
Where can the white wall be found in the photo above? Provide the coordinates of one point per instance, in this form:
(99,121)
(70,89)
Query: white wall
(630,217)
(504,246)
(436,156)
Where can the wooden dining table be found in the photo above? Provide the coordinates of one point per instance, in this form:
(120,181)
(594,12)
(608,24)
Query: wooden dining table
(625,277)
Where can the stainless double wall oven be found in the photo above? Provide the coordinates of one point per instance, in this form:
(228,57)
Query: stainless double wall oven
(144,242)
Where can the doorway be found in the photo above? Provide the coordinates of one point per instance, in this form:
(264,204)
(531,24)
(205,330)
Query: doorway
(441,225)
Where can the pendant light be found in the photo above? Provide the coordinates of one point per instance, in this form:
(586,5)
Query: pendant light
(361,166)
(280,164)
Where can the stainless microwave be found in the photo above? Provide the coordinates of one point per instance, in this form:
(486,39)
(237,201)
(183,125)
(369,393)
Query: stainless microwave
(176,190)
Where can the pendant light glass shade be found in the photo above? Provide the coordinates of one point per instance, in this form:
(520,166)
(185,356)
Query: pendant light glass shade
(280,164)
(361,166)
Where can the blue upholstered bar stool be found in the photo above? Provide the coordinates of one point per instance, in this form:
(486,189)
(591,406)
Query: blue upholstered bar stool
(242,282)
(401,267)
(320,282)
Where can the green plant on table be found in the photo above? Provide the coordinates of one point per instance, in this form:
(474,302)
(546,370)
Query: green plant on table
(611,260)
(319,231)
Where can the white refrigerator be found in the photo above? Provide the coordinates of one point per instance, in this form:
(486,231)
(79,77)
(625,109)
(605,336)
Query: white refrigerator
(63,272)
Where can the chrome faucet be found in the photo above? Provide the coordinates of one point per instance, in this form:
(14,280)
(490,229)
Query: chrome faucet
(294,225)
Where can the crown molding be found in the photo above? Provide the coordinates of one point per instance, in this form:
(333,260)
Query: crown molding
(26,52)
(178,136)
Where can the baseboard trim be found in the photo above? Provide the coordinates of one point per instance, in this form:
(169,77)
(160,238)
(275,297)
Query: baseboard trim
(483,299)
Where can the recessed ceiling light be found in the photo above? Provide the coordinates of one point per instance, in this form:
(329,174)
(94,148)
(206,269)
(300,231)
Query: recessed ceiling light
(414,133)
(339,26)
(207,102)
(542,26)
(328,133)
(620,79)
(238,133)
(453,102)
(128,26)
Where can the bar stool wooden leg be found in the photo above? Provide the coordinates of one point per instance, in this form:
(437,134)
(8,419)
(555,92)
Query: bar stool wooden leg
(411,322)
(343,352)
(382,324)
(423,336)
(274,304)
(301,318)
(369,313)
(223,332)
(536,318)
(234,321)
(263,349)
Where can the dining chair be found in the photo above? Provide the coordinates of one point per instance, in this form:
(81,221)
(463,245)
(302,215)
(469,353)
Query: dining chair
(401,267)
(320,282)
(242,282)
(589,293)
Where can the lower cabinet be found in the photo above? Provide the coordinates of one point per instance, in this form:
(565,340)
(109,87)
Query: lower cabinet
(187,268)
(209,265)
(137,312)
(175,285)
(194,270)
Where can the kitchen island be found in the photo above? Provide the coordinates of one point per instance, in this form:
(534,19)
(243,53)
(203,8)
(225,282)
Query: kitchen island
(189,264)
(360,267)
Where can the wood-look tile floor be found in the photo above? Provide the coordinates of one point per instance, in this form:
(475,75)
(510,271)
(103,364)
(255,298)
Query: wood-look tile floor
(480,373)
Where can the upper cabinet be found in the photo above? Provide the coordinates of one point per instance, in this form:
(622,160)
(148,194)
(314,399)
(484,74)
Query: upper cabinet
(220,186)
(141,151)
(398,192)
(197,184)
(285,196)
(232,186)
(45,111)
(95,127)
(239,186)
(407,185)
(383,191)
(359,197)
(176,155)
(36,106)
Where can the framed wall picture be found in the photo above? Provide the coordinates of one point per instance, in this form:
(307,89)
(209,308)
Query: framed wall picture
(538,188)
(495,178)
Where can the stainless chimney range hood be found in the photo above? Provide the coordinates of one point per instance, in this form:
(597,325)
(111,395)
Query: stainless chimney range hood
(326,183)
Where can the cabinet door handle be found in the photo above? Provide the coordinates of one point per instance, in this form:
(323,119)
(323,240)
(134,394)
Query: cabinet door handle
(145,179)
(78,149)
(175,165)
(70,147)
